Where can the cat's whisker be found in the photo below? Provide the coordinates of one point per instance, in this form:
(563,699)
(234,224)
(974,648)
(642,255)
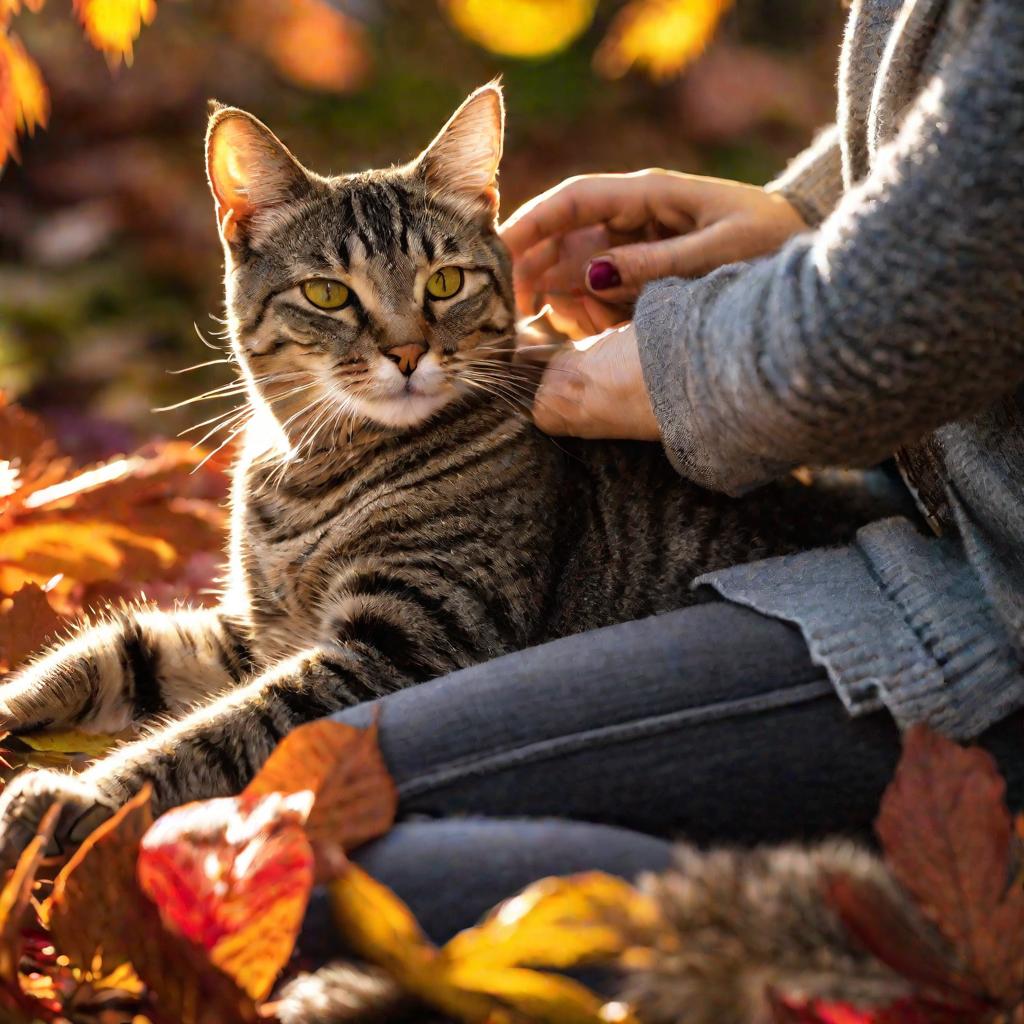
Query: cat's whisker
(200,366)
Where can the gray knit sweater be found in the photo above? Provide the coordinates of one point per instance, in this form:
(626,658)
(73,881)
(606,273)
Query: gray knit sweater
(895,326)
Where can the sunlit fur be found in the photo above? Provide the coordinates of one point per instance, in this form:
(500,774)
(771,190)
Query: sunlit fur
(386,529)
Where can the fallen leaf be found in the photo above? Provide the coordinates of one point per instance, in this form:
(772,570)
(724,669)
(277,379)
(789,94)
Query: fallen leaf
(661,36)
(72,741)
(233,876)
(559,922)
(98,912)
(947,838)
(27,622)
(473,978)
(15,896)
(355,799)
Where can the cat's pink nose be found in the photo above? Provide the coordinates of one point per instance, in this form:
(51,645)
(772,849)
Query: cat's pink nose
(405,357)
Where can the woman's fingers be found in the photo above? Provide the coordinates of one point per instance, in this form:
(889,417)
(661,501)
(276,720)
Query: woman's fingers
(619,200)
(619,275)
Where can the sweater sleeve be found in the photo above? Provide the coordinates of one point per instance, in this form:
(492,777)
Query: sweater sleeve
(903,311)
(813,181)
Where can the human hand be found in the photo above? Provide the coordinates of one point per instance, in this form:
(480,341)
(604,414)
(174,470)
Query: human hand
(589,245)
(595,389)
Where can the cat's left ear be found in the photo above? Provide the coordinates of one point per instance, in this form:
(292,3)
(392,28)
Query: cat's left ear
(463,159)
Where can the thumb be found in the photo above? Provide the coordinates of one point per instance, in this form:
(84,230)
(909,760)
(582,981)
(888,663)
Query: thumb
(618,275)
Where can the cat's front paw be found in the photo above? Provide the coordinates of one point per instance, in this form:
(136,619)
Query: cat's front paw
(28,797)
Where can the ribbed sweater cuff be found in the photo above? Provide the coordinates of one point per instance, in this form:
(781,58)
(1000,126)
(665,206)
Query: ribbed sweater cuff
(898,621)
(668,326)
(813,181)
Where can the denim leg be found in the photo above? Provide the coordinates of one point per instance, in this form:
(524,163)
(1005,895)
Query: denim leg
(451,873)
(711,722)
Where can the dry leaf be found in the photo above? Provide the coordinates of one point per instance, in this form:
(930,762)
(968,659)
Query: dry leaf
(661,36)
(521,28)
(15,896)
(378,926)
(947,837)
(559,922)
(73,741)
(113,25)
(98,910)
(355,796)
(233,876)
(27,622)
(479,973)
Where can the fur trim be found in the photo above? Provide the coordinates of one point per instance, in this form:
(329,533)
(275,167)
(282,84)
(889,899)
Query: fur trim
(745,923)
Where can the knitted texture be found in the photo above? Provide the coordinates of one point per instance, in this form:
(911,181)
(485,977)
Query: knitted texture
(898,322)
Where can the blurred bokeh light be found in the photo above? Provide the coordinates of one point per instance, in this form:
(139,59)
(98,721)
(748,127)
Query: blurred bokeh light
(108,249)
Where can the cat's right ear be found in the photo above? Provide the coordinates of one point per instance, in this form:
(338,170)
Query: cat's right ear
(249,168)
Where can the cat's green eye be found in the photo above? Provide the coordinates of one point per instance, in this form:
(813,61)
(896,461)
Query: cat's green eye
(325,293)
(446,282)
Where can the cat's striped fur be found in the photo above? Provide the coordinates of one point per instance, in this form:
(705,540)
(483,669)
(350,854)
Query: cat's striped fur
(387,528)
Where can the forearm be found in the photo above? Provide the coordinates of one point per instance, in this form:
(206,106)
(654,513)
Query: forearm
(905,310)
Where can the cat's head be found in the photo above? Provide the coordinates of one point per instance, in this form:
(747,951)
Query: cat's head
(364,298)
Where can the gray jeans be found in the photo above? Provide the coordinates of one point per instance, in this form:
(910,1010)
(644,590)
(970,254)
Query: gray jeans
(710,723)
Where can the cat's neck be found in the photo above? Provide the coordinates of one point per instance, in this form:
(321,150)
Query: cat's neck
(353,450)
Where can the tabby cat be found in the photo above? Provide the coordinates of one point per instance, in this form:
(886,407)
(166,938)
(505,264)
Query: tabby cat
(396,515)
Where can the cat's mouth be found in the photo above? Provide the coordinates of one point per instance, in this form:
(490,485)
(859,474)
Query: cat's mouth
(395,399)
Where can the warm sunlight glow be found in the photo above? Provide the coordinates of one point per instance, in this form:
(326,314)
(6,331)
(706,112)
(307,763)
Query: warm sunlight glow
(522,28)
(660,36)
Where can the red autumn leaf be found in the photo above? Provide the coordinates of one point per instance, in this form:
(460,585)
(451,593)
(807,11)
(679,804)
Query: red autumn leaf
(233,876)
(27,622)
(98,908)
(947,837)
(355,796)
(901,940)
(787,1010)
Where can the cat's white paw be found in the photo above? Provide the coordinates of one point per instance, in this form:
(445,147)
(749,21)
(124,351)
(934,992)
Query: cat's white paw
(28,797)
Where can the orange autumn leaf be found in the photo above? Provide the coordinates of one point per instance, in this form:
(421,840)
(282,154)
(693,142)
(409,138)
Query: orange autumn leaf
(233,876)
(15,896)
(355,799)
(521,28)
(24,100)
(99,915)
(27,622)
(660,36)
(112,26)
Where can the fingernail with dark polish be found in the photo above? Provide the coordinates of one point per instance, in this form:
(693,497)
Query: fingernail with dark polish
(601,274)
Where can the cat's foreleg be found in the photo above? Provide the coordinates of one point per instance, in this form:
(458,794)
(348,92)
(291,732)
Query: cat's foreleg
(140,664)
(214,751)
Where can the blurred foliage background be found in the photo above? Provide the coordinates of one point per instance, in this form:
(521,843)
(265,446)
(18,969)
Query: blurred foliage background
(108,249)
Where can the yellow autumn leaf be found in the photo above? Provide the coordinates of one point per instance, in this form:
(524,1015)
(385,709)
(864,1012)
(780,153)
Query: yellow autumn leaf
(521,28)
(113,25)
(539,998)
(480,974)
(71,741)
(559,922)
(24,101)
(660,36)
(380,927)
